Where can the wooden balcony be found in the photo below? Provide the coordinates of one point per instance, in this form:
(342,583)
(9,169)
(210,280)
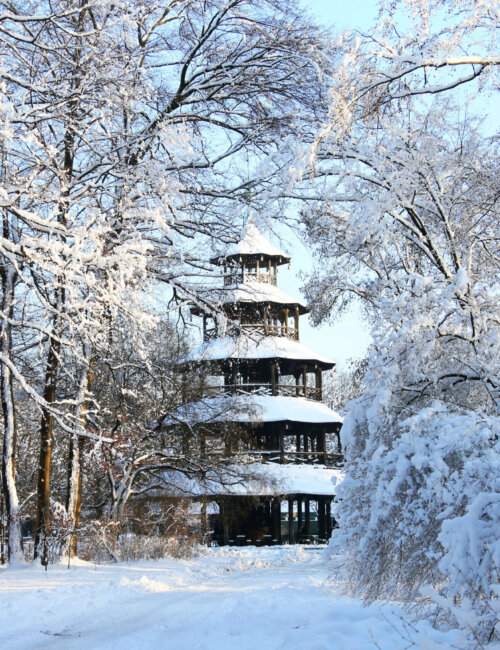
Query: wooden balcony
(284,390)
(260,329)
(240,277)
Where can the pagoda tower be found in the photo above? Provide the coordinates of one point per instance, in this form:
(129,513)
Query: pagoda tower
(273,387)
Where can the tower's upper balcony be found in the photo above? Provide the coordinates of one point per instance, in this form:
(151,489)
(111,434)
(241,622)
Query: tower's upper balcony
(254,253)
(243,274)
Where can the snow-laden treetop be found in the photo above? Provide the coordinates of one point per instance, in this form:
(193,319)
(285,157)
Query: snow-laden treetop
(252,244)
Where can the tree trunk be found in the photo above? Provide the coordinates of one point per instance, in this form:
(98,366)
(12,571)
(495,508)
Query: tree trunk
(43,527)
(77,443)
(15,551)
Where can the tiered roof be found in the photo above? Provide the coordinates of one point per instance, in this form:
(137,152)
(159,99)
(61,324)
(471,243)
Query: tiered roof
(256,346)
(259,293)
(260,480)
(252,245)
(252,404)
(253,409)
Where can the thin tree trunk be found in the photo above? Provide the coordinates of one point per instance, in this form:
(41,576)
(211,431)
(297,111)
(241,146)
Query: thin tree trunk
(8,452)
(43,526)
(74,499)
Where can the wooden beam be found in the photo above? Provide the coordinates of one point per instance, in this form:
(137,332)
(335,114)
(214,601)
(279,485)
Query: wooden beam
(291,536)
(225,521)
(299,517)
(328,518)
(321,518)
(308,517)
(276,519)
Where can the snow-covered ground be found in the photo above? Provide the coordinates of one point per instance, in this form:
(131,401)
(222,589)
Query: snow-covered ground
(225,599)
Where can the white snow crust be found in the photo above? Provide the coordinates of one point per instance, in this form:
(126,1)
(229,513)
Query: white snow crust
(258,292)
(226,598)
(261,479)
(253,242)
(254,347)
(253,408)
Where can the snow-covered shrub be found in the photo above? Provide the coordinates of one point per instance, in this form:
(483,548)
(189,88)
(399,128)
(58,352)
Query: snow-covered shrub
(417,238)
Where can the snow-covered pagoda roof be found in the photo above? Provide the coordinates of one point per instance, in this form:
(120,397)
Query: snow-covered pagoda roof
(252,245)
(256,346)
(260,480)
(252,409)
(256,292)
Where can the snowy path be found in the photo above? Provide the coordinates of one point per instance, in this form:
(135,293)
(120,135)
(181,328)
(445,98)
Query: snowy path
(245,599)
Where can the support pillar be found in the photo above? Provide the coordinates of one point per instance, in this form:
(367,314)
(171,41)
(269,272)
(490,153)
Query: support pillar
(328,518)
(297,385)
(225,523)
(299,518)
(267,515)
(323,448)
(321,518)
(276,519)
(308,517)
(291,536)
(319,384)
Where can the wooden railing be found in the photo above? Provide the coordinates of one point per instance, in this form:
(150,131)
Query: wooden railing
(272,330)
(238,277)
(263,329)
(285,390)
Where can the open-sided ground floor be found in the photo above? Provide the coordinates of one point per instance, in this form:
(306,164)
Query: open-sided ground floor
(245,598)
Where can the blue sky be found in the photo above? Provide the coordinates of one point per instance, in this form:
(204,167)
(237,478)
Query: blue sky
(349,336)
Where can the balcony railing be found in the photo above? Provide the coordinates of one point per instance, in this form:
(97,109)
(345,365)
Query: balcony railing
(240,277)
(285,390)
(263,329)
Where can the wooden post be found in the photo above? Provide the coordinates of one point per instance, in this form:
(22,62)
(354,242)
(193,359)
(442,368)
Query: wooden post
(296,319)
(306,443)
(267,515)
(308,517)
(276,519)
(328,518)
(273,378)
(323,447)
(291,536)
(318,384)
(299,518)
(225,522)
(281,441)
(304,374)
(286,322)
(321,518)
